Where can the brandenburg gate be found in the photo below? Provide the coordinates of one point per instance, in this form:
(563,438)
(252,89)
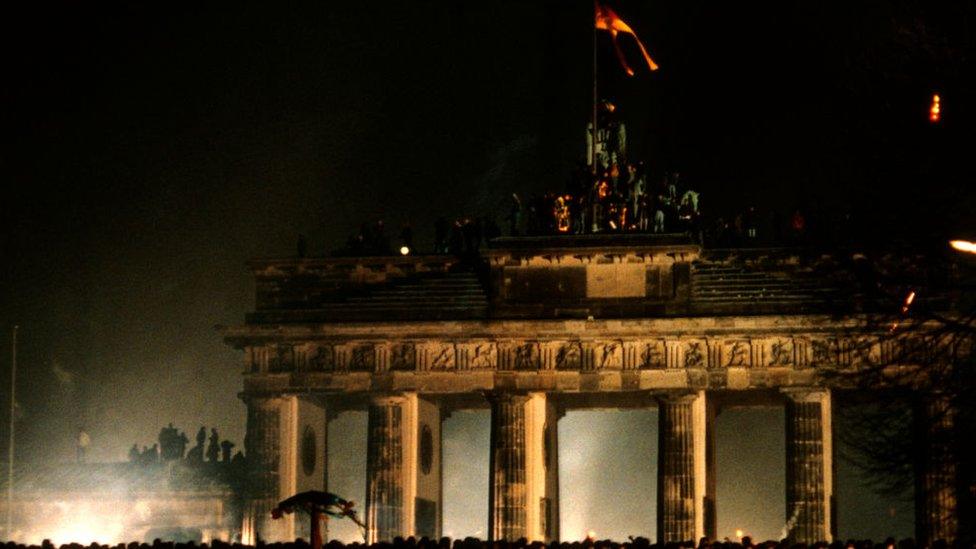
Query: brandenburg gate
(532,328)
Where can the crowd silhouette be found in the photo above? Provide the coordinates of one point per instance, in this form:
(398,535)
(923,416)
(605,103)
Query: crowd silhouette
(474,543)
(172,446)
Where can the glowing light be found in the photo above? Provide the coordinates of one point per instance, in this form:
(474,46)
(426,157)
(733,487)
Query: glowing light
(935,111)
(963,246)
(404,250)
(739,533)
(590,535)
(908,301)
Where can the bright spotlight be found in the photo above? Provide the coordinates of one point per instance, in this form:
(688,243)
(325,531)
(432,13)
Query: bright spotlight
(963,246)
(404,250)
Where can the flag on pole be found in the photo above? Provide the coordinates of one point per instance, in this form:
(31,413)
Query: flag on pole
(606,19)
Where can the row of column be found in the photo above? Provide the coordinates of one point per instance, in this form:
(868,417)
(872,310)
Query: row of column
(286,453)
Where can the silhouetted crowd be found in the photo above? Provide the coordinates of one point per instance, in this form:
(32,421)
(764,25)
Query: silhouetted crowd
(616,199)
(172,446)
(474,543)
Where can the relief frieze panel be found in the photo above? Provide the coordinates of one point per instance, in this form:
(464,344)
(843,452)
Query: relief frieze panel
(824,351)
(736,353)
(355,357)
(442,357)
(320,358)
(653,354)
(608,355)
(779,352)
(436,356)
(480,355)
(774,351)
(402,357)
(566,355)
(693,354)
(860,352)
(281,357)
(519,355)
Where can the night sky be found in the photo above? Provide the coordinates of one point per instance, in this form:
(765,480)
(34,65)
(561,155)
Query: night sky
(152,148)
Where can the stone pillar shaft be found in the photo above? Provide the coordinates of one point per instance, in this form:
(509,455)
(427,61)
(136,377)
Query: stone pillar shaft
(936,514)
(286,453)
(262,447)
(384,471)
(681,481)
(809,466)
(403,468)
(524,484)
(507,501)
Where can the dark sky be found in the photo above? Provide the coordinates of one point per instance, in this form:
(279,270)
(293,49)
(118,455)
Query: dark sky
(152,148)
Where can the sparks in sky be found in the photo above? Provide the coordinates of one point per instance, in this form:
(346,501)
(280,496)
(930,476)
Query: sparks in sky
(935,111)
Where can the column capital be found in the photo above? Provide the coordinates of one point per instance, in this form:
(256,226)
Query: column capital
(677,397)
(502,396)
(805,394)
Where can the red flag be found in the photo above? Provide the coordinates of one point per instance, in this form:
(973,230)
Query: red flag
(607,20)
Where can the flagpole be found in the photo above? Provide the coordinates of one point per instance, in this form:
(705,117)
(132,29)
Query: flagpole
(594,133)
(10,447)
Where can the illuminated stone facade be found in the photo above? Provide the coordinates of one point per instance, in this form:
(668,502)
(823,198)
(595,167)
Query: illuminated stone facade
(541,327)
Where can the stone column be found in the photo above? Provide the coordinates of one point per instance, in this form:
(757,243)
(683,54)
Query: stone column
(286,451)
(403,468)
(682,470)
(710,520)
(809,466)
(936,513)
(524,484)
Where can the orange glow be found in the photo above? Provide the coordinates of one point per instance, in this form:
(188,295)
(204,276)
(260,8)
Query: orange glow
(561,213)
(935,111)
(909,299)
(606,19)
(963,246)
(739,533)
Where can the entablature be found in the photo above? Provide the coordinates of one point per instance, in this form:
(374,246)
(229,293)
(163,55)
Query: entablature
(551,355)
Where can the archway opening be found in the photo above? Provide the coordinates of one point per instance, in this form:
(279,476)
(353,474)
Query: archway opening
(750,462)
(871,506)
(346,451)
(608,474)
(465,443)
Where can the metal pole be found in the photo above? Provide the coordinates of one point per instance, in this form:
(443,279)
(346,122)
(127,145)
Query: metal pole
(595,100)
(10,445)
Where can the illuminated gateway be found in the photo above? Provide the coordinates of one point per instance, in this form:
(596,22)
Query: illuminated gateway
(532,328)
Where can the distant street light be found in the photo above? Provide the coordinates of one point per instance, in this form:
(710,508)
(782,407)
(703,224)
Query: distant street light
(404,250)
(963,246)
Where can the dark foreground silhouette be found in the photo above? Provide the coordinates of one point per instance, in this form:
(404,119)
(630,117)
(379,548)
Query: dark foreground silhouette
(474,543)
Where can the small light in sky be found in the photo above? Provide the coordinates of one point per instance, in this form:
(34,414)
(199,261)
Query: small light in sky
(404,250)
(963,246)
(739,533)
(935,111)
